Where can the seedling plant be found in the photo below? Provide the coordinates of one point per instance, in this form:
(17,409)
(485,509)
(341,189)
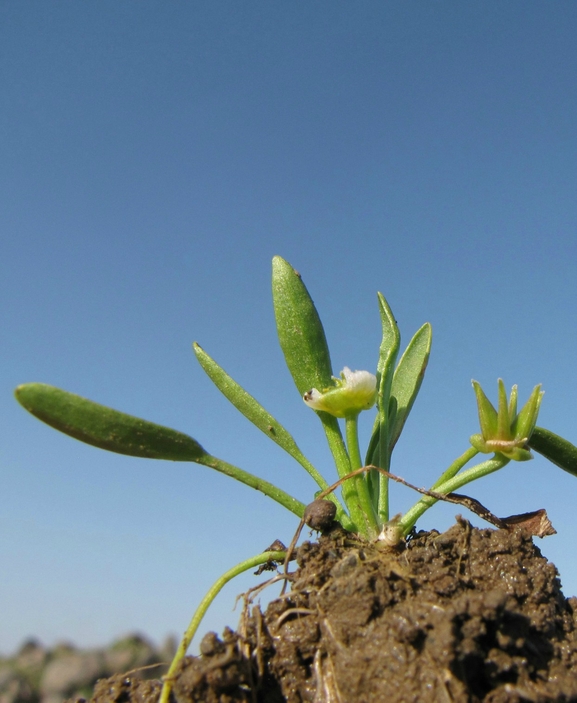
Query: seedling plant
(507,434)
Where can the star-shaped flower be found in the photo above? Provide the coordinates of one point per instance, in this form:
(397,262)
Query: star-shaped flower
(505,431)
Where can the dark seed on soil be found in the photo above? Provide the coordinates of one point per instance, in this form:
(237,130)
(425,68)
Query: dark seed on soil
(320,514)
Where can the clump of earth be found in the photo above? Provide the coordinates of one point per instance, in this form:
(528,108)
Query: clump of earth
(470,615)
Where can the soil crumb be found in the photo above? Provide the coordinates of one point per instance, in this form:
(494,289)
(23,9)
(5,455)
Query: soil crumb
(467,616)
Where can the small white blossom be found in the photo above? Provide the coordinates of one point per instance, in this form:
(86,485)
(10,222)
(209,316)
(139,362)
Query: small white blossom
(353,391)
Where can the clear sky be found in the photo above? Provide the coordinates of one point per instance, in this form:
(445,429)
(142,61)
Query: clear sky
(155,156)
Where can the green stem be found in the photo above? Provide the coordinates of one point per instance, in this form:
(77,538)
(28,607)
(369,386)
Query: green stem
(362,488)
(269,489)
(384,463)
(351,431)
(475,472)
(203,607)
(455,467)
(343,464)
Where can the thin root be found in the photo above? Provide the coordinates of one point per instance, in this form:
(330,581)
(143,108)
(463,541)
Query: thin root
(289,612)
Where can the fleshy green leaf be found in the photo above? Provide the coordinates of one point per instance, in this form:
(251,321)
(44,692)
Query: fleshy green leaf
(253,411)
(388,351)
(106,428)
(125,434)
(557,449)
(379,450)
(300,331)
(408,377)
(306,352)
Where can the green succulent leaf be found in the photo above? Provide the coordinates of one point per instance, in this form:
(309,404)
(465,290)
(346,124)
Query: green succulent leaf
(106,428)
(125,434)
(408,377)
(558,450)
(388,351)
(306,352)
(300,331)
(378,452)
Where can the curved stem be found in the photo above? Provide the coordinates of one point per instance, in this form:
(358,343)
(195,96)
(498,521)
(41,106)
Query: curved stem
(269,489)
(455,467)
(366,504)
(475,472)
(203,607)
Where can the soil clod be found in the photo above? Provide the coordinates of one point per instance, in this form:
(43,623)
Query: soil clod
(468,616)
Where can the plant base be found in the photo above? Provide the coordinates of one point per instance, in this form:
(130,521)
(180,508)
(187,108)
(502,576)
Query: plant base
(465,616)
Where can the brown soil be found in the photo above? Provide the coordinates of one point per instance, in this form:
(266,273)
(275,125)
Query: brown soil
(465,616)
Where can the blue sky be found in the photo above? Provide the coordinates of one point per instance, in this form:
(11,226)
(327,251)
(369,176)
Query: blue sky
(155,157)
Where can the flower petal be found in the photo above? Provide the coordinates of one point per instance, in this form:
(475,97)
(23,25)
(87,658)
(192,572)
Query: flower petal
(353,392)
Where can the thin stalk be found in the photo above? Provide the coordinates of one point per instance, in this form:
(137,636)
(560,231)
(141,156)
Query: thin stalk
(384,463)
(203,607)
(455,467)
(351,431)
(269,489)
(343,464)
(475,472)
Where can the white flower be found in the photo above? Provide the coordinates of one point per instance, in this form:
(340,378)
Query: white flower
(353,391)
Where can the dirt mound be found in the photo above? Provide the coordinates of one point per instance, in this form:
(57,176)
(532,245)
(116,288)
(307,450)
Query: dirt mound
(465,616)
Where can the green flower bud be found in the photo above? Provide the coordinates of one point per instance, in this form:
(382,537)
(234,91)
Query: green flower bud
(353,391)
(504,431)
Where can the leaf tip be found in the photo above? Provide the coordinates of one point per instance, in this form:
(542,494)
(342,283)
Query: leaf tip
(21,391)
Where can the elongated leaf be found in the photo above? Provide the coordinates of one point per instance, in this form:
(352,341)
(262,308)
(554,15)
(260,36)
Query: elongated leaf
(106,428)
(378,452)
(372,456)
(385,369)
(558,450)
(306,352)
(253,410)
(388,351)
(125,434)
(300,331)
(408,378)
